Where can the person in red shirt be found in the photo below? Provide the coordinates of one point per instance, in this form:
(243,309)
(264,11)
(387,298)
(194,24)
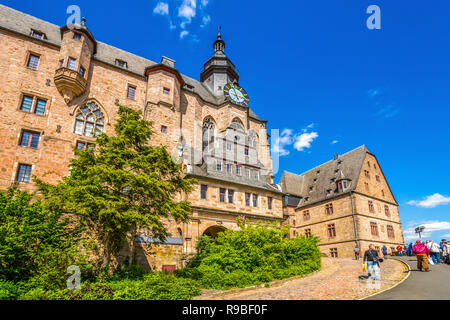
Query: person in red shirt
(400,250)
(422,253)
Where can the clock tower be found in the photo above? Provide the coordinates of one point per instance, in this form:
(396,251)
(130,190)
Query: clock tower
(218,71)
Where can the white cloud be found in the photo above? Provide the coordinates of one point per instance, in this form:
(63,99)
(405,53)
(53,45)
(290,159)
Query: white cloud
(430,227)
(445,236)
(334,141)
(279,143)
(187,11)
(431,201)
(373,92)
(161,8)
(205,21)
(304,140)
(183,34)
(205,3)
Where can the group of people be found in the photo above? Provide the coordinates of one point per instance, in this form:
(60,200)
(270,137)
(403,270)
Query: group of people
(438,253)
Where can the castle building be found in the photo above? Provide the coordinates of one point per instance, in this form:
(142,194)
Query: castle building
(346,202)
(60,87)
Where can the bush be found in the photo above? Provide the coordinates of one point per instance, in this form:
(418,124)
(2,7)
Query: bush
(256,254)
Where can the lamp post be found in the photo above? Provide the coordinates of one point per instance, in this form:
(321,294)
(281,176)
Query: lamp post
(419,230)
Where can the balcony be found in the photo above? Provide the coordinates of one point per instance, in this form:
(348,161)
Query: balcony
(69,83)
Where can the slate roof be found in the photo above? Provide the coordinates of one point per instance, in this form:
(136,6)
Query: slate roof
(23,23)
(317,184)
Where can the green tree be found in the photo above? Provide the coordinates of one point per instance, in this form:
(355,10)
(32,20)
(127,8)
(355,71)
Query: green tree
(36,245)
(122,185)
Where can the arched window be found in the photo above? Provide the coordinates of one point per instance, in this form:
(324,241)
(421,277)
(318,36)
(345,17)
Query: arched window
(208,133)
(89,121)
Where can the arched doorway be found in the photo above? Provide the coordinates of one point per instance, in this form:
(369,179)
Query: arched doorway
(213,231)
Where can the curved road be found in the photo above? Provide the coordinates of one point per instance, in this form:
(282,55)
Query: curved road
(433,285)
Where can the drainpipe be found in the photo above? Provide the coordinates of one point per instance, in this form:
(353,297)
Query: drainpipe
(354,222)
(145,100)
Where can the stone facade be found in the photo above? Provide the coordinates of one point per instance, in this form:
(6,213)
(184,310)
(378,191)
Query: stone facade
(80,82)
(363,212)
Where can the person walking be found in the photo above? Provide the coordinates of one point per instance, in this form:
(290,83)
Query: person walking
(356,252)
(422,253)
(384,250)
(444,251)
(410,249)
(372,259)
(435,252)
(399,250)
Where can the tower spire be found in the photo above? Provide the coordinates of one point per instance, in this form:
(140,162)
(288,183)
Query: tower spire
(219,44)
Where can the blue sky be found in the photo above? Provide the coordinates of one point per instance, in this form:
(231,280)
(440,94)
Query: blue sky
(318,74)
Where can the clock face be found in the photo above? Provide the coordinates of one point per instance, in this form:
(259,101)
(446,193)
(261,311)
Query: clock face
(236,94)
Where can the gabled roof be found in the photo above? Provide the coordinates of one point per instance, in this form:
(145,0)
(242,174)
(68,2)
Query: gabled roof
(23,23)
(319,183)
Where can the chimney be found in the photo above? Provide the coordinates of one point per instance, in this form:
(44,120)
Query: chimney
(168,62)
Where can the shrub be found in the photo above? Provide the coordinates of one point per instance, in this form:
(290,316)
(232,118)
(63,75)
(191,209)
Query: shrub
(253,255)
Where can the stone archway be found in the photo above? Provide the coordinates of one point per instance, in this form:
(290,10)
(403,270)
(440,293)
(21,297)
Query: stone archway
(213,231)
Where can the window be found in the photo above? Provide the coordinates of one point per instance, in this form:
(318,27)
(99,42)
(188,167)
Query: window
(329,208)
(374,228)
(163,129)
(203,191)
(82,71)
(37,34)
(229,168)
(368,164)
(228,146)
(166,90)
(366,185)
(131,92)
(366,173)
(247,173)
(294,233)
(77,36)
(23,173)
(311,188)
(371,209)
(71,63)
(29,139)
(390,231)
(342,185)
(333,252)
(219,165)
(33,105)
(382,193)
(269,203)
(307,233)
(230,196)
(121,63)
(81,145)
(61,63)
(222,194)
(256,175)
(331,230)
(375,166)
(89,121)
(377,178)
(208,134)
(255,200)
(386,211)
(33,61)
(306,215)
(293,222)
(238,170)
(247,199)
(246,151)
(318,171)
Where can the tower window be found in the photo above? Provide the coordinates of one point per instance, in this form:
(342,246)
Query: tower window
(390,231)
(29,139)
(255,200)
(371,208)
(37,34)
(374,228)
(77,36)
(230,196)
(386,211)
(331,230)
(269,203)
(222,194)
(33,104)
(229,168)
(131,92)
(33,61)
(163,129)
(246,151)
(247,199)
(329,208)
(203,191)
(89,121)
(238,170)
(82,71)
(24,173)
(219,165)
(71,63)
(166,90)
(121,63)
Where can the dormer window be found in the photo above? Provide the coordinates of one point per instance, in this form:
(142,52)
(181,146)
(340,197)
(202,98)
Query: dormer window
(318,171)
(342,185)
(121,64)
(37,34)
(311,189)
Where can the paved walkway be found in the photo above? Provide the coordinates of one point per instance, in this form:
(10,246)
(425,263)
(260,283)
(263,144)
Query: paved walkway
(420,285)
(337,280)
